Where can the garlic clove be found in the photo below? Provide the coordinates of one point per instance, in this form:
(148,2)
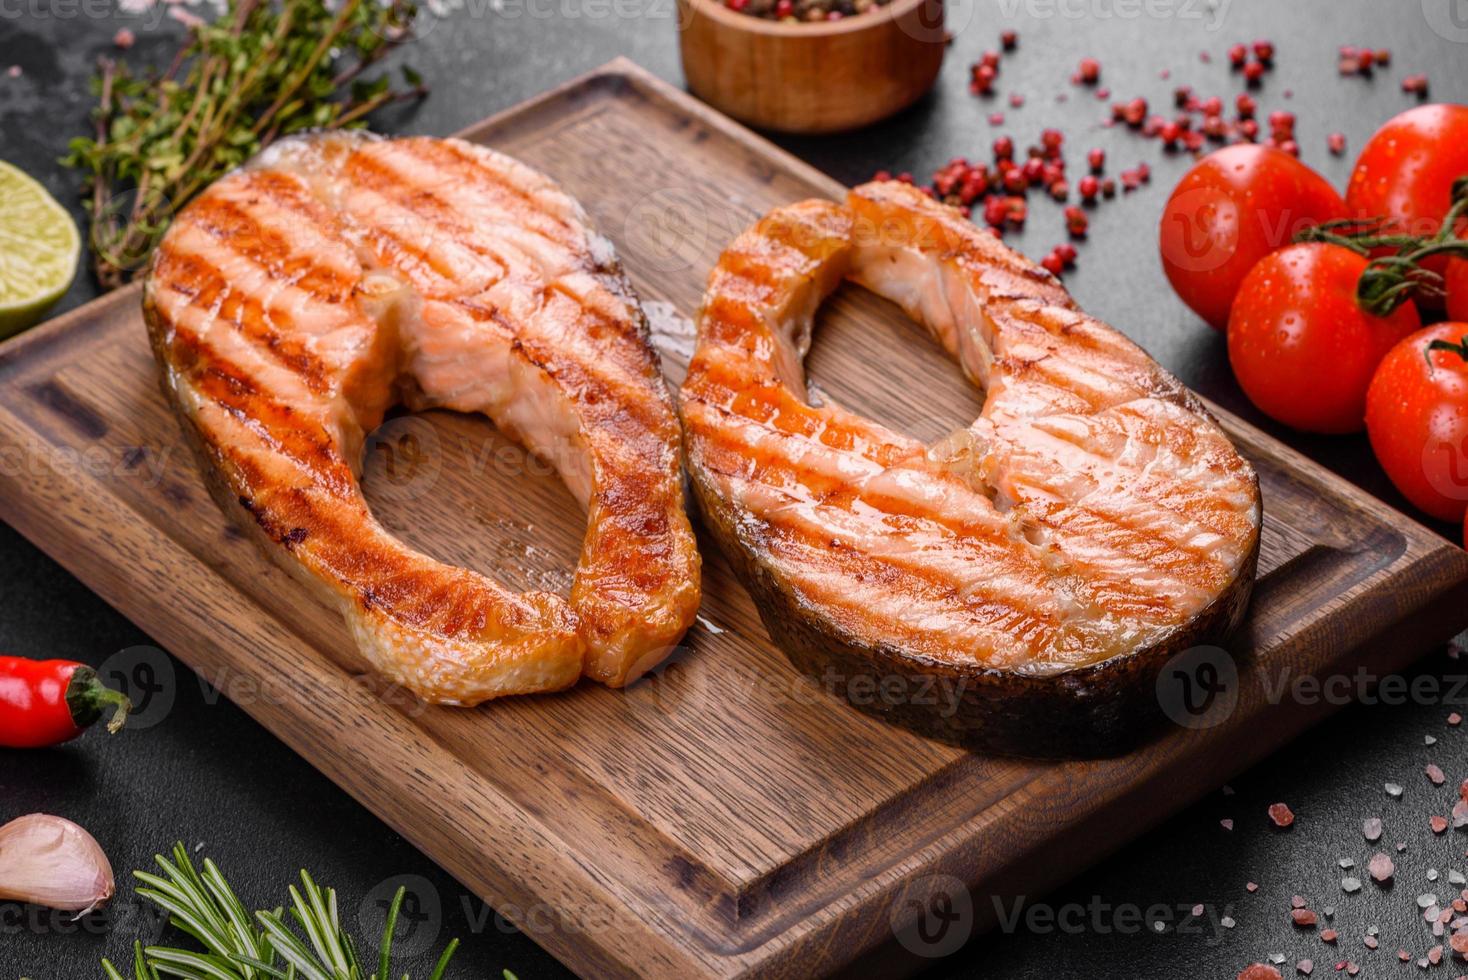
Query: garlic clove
(50,861)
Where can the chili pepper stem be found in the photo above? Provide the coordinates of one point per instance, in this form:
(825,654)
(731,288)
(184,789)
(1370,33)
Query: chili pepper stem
(89,699)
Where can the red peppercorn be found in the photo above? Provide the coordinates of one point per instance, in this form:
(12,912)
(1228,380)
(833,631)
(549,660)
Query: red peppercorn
(1066,252)
(1135,112)
(1193,141)
(1053,264)
(1237,55)
(1264,51)
(1249,129)
(1076,221)
(1290,147)
(1181,96)
(882,175)
(736,5)
(1254,72)
(1383,57)
(1153,126)
(1096,158)
(1088,188)
(1214,127)
(1051,140)
(1016,100)
(1060,190)
(996,119)
(1033,170)
(1009,39)
(1017,211)
(1144,172)
(990,58)
(995,210)
(981,79)
(1108,188)
(784,8)
(1004,148)
(1170,133)
(1089,71)
(1282,124)
(1211,106)
(1337,143)
(1014,181)
(1247,105)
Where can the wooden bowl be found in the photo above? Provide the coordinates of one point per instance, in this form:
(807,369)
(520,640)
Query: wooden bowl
(811,78)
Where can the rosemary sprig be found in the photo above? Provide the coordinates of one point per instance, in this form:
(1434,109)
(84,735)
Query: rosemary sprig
(239,946)
(262,70)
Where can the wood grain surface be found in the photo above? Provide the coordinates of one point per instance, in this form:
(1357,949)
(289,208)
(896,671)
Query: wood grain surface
(811,78)
(724,817)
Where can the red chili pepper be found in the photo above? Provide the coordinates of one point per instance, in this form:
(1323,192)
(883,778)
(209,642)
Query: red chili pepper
(47,702)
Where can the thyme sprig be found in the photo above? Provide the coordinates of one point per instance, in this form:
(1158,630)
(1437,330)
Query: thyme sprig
(309,945)
(263,69)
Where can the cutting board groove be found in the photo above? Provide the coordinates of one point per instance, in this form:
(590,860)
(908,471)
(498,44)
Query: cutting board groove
(725,817)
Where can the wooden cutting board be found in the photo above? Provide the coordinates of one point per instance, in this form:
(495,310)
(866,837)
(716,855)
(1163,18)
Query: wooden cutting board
(724,817)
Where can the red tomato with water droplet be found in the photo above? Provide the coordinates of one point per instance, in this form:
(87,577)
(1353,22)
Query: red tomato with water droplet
(1456,282)
(1406,170)
(1417,417)
(1301,347)
(1235,206)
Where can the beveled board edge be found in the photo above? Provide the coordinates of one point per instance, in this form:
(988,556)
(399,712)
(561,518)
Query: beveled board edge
(829,935)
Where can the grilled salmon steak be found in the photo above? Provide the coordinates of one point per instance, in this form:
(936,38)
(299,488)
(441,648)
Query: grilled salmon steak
(299,299)
(1015,587)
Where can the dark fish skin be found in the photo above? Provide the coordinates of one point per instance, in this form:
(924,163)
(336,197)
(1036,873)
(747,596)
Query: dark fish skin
(1097,711)
(1023,604)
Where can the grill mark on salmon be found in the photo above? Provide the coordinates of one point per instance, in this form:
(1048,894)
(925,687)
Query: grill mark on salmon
(295,301)
(1046,561)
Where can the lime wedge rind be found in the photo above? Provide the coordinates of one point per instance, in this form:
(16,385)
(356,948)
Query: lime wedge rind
(40,249)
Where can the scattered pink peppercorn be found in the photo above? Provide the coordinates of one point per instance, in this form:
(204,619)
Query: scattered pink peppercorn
(1088,188)
(1089,71)
(1264,51)
(1281,815)
(1076,222)
(1246,105)
(1053,264)
(1337,143)
(1238,55)
(1009,40)
(1254,72)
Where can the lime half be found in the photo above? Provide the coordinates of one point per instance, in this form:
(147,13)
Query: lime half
(39,250)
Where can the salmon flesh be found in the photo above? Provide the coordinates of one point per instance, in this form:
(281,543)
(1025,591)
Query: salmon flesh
(299,299)
(1017,586)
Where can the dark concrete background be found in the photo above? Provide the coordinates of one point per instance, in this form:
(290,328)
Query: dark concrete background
(205,773)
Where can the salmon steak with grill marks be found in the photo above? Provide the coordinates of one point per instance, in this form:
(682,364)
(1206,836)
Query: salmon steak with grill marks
(1018,586)
(299,299)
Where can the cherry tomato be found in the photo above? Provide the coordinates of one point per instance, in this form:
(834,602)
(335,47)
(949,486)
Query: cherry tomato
(1406,170)
(1300,345)
(1234,207)
(1417,417)
(1455,278)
